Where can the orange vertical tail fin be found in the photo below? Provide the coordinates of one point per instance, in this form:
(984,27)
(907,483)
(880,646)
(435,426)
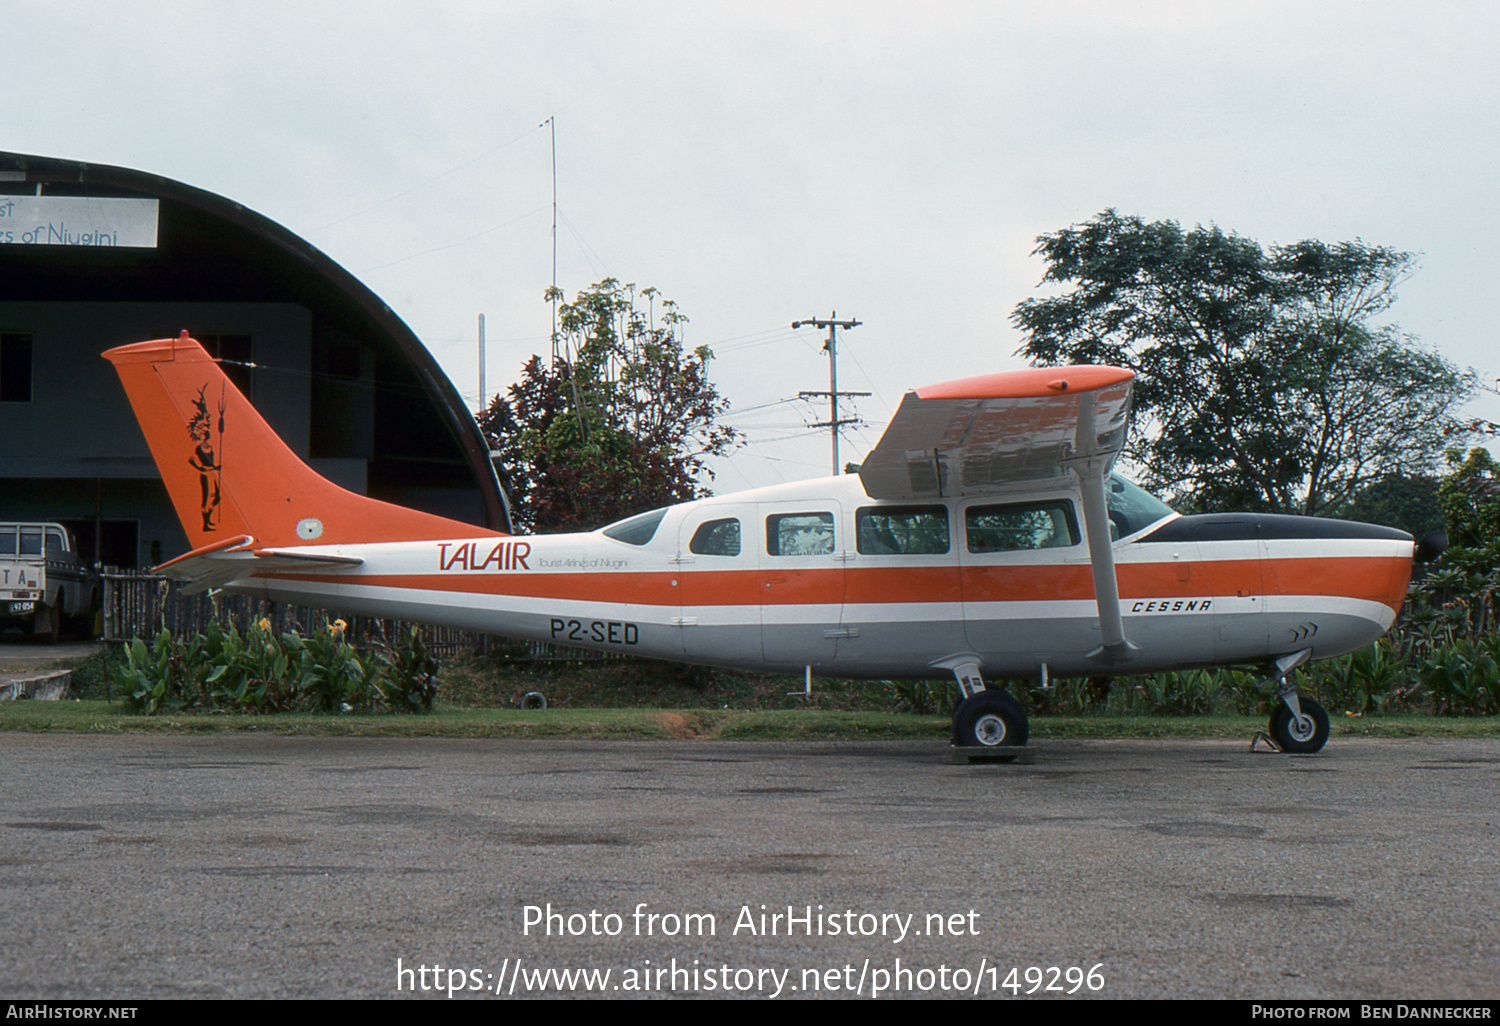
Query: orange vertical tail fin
(229,474)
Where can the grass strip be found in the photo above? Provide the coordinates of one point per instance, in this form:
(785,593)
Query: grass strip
(99,717)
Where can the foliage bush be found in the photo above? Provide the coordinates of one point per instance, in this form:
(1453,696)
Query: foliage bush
(1464,678)
(925,697)
(262,672)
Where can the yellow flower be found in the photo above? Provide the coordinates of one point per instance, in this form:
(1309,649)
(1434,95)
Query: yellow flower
(265,624)
(337,627)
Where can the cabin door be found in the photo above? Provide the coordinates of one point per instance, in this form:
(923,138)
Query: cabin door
(803,550)
(718,585)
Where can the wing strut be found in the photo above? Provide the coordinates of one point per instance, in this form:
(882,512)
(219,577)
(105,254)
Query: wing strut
(1090,466)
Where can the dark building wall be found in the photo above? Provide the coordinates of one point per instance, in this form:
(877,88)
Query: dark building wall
(78,424)
(70,450)
(124,523)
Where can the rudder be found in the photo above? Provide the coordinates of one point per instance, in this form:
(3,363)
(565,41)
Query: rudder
(228,473)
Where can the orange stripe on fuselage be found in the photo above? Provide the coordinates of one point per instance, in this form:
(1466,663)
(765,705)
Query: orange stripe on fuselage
(1380,579)
(1371,578)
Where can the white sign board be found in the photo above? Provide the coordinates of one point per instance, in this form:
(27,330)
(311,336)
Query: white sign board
(78,221)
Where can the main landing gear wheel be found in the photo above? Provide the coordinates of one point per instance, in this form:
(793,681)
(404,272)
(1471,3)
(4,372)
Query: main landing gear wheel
(989,719)
(1299,734)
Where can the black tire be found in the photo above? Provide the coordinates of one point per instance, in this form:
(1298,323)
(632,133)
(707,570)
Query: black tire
(1300,736)
(990,719)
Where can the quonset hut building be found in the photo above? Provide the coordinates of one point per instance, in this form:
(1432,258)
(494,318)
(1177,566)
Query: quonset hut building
(92,257)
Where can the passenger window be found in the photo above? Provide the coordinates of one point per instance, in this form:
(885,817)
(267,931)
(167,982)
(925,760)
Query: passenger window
(31,541)
(902,530)
(799,534)
(1021,526)
(7,541)
(716,538)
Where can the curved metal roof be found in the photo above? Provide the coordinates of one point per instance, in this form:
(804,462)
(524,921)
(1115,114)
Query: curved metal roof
(294,267)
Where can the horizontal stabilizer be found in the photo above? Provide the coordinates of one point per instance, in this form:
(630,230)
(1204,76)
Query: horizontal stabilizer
(226,562)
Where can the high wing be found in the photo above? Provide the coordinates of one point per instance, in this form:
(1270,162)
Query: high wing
(976,435)
(971,436)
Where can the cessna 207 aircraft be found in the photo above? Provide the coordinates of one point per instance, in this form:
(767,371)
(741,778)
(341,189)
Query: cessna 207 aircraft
(984,535)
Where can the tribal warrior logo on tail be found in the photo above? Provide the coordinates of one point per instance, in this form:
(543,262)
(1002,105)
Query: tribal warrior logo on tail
(210,467)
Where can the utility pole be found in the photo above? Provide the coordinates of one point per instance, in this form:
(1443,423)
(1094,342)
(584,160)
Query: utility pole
(833,393)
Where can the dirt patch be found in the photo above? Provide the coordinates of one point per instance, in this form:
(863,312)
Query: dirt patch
(677,725)
(686,725)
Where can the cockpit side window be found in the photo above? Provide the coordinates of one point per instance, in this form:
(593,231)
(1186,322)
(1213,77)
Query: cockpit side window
(902,530)
(716,538)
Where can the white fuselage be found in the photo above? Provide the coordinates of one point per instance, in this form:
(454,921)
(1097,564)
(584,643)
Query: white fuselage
(818,574)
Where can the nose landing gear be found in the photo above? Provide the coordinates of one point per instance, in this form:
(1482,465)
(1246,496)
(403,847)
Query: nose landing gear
(1298,724)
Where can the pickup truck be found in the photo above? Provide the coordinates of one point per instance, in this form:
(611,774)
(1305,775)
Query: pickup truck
(42,582)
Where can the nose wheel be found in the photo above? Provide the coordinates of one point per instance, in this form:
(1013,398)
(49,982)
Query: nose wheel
(1298,724)
(1301,730)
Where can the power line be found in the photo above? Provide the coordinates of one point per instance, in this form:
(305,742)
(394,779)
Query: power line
(451,245)
(419,185)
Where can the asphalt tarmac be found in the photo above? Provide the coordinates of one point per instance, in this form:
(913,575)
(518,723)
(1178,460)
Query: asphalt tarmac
(244,866)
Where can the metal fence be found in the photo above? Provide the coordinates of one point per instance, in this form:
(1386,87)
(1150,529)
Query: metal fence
(141,605)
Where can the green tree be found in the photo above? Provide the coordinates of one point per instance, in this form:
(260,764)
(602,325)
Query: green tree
(1262,383)
(1470,499)
(623,422)
(1408,504)
(1457,598)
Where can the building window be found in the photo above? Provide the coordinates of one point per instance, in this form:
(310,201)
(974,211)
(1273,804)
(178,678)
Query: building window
(15,367)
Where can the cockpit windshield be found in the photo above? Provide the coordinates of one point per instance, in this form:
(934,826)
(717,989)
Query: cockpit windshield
(637,530)
(1131,507)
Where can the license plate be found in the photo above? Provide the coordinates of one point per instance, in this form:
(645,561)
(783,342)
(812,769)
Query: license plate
(22,607)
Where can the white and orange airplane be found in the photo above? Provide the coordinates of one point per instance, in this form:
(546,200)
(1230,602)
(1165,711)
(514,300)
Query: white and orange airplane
(985,535)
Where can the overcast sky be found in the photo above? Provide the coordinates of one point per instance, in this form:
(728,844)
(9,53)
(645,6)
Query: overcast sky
(762,162)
